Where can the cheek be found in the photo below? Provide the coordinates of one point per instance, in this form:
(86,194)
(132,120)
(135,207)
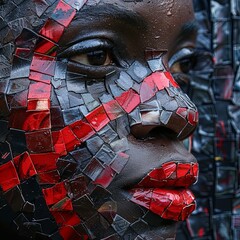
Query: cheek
(67,132)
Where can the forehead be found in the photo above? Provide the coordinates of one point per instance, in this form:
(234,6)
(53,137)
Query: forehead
(157,22)
(154,11)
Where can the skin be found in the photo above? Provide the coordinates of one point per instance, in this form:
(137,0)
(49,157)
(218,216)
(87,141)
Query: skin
(158,148)
(155,25)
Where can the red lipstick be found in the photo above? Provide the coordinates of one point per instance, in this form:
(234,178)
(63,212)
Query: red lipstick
(164,190)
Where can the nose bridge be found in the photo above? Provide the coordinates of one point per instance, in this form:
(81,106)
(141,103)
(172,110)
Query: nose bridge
(163,104)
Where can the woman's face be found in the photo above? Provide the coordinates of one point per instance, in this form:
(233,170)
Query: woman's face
(96,123)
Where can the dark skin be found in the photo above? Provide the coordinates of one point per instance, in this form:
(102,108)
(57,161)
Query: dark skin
(152,27)
(135,30)
(103,41)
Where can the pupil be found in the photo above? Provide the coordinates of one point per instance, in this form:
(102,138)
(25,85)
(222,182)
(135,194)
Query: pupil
(97,58)
(185,65)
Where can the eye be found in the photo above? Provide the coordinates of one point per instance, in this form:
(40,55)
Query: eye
(183,65)
(91,53)
(102,57)
(183,61)
(93,58)
(189,62)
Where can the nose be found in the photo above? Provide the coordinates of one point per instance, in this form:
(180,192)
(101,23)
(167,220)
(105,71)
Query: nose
(163,105)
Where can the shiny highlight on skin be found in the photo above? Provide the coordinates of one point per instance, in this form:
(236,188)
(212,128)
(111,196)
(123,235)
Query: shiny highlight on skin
(77,145)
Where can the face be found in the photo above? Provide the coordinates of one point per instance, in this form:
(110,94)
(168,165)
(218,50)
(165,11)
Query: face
(94,122)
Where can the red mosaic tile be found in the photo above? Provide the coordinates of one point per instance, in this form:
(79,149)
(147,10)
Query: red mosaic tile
(82,130)
(58,143)
(148,88)
(173,212)
(171,79)
(18,100)
(63,205)
(45,161)
(55,194)
(40,77)
(160,202)
(39,90)
(56,117)
(39,141)
(129,100)
(160,80)
(182,112)
(105,177)
(46,47)
(51,177)
(38,105)
(113,109)
(69,233)
(187,211)
(29,121)
(192,117)
(146,181)
(8,176)
(98,118)
(52,30)
(195,169)
(78,186)
(24,166)
(23,52)
(70,139)
(157,174)
(142,197)
(188,197)
(171,175)
(63,13)
(66,218)
(183,169)
(43,64)
(169,169)
(176,202)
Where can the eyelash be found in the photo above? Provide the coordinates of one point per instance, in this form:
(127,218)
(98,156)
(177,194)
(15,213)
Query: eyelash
(183,54)
(199,61)
(88,47)
(91,46)
(85,46)
(196,55)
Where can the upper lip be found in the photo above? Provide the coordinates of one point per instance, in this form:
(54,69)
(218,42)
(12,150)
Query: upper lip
(171,175)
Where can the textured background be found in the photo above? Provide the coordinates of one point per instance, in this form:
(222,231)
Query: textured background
(216,91)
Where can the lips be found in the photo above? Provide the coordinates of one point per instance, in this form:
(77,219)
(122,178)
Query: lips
(164,190)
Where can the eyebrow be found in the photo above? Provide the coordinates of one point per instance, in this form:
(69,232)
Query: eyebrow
(189,28)
(95,13)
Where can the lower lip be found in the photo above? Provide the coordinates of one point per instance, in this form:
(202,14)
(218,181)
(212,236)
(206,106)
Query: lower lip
(171,204)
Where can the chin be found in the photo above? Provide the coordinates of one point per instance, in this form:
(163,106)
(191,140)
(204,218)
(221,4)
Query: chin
(154,235)
(159,228)
(160,233)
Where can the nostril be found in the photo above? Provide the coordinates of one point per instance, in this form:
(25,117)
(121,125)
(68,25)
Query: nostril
(163,131)
(140,131)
